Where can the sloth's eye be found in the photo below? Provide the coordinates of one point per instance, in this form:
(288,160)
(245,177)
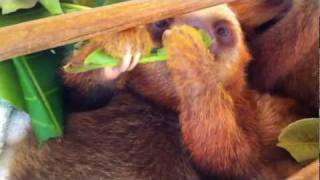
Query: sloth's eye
(162,25)
(157,29)
(223,32)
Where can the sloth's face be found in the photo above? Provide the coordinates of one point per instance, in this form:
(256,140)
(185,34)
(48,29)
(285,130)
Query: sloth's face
(230,54)
(222,25)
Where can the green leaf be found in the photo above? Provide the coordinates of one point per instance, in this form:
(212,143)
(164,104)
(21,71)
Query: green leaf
(15,18)
(301,139)
(107,2)
(99,59)
(9,6)
(30,82)
(206,38)
(19,17)
(68,8)
(53,6)
(10,89)
(39,81)
(101,2)
(90,3)
(95,3)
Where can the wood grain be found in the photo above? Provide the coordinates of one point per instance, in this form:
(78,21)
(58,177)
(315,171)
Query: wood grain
(34,36)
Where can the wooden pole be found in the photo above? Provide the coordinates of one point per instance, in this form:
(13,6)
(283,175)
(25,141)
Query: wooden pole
(38,35)
(310,172)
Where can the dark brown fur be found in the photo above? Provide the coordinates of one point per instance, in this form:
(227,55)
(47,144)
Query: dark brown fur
(284,39)
(128,139)
(228,129)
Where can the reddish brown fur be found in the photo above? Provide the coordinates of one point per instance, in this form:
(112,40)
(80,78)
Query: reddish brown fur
(286,58)
(225,130)
(228,129)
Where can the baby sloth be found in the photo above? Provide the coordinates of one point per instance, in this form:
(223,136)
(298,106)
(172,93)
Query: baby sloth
(179,119)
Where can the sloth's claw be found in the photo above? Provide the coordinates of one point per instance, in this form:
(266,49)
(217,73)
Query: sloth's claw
(135,60)
(128,62)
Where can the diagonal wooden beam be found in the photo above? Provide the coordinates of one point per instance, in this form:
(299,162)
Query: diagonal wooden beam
(34,36)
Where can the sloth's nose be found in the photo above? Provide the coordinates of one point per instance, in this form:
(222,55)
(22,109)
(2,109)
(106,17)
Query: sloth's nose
(197,24)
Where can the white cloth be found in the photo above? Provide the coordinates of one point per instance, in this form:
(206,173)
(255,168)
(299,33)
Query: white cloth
(14,125)
(5,112)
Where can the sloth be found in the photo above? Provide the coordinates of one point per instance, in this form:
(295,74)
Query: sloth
(191,117)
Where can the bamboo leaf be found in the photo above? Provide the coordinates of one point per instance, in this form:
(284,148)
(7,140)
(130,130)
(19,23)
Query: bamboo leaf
(39,81)
(301,139)
(53,6)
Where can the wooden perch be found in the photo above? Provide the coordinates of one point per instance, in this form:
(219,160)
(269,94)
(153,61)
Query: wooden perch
(310,172)
(34,36)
